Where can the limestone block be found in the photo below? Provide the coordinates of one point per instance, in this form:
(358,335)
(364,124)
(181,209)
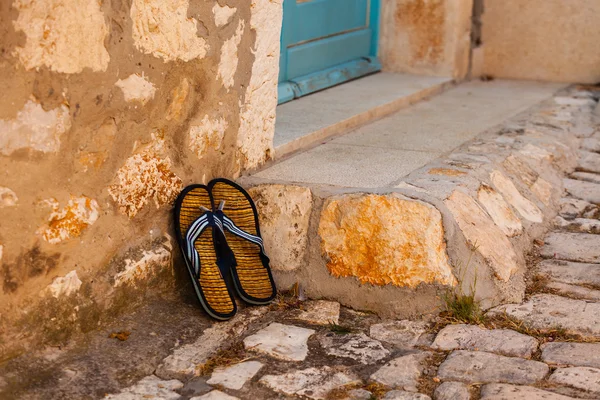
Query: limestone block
(145,176)
(503,391)
(384,239)
(544,310)
(63,35)
(165,30)
(511,194)
(34,128)
(499,210)
(314,383)
(70,221)
(483,234)
(481,367)
(284,214)
(471,337)
(208,135)
(257,114)
(286,342)
(229,57)
(136,88)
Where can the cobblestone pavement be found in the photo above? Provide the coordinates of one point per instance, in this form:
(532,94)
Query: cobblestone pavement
(547,347)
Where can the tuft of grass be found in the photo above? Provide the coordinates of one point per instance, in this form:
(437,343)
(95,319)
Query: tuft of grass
(234,354)
(462,308)
(288,299)
(461,305)
(339,329)
(377,390)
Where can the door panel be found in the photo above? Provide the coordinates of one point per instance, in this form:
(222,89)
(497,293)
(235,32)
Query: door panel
(322,18)
(325,42)
(321,54)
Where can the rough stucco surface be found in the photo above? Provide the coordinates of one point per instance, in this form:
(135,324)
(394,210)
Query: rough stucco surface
(384,240)
(553,40)
(63,35)
(110,108)
(430,37)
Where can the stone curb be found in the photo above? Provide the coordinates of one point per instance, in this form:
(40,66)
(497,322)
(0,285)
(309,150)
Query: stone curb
(465,220)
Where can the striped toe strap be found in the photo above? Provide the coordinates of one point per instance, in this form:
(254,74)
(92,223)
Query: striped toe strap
(230,226)
(206,220)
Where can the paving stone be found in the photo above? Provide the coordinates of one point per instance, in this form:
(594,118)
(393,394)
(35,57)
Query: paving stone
(571,208)
(452,391)
(584,378)
(574,291)
(402,372)
(402,395)
(286,342)
(574,354)
(215,395)
(583,225)
(544,311)
(185,359)
(580,247)
(471,337)
(586,176)
(403,334)
(359,394)
(503,391)
(235,376)
(571,272)
(589,161)
(587,191)
(320,312)
(314,383)
(480,367)
(591,144)
(358,347)
(150,387)
(572,101)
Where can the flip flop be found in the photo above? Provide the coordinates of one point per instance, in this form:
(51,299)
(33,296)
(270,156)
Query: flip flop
(252,276)
(202,242)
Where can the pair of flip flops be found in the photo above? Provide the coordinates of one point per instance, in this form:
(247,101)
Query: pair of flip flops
(218,233)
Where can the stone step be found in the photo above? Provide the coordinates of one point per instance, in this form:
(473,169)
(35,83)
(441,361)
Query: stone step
(446,195)
(309,120)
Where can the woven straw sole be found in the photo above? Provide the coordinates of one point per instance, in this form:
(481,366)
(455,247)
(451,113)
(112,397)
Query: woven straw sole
(211,283)
(254,278)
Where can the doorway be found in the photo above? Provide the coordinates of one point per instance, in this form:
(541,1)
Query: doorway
(325,43)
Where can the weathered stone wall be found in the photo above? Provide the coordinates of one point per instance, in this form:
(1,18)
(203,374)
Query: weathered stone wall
(426,37)
(552,40)
(108,109)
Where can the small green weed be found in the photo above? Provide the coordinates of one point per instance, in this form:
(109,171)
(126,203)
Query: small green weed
(339,329)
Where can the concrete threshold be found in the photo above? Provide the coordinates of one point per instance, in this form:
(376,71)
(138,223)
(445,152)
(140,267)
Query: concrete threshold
(310,120)
(382,152)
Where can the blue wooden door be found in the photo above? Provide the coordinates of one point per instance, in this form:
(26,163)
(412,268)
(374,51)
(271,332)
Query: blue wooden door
(326,42)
